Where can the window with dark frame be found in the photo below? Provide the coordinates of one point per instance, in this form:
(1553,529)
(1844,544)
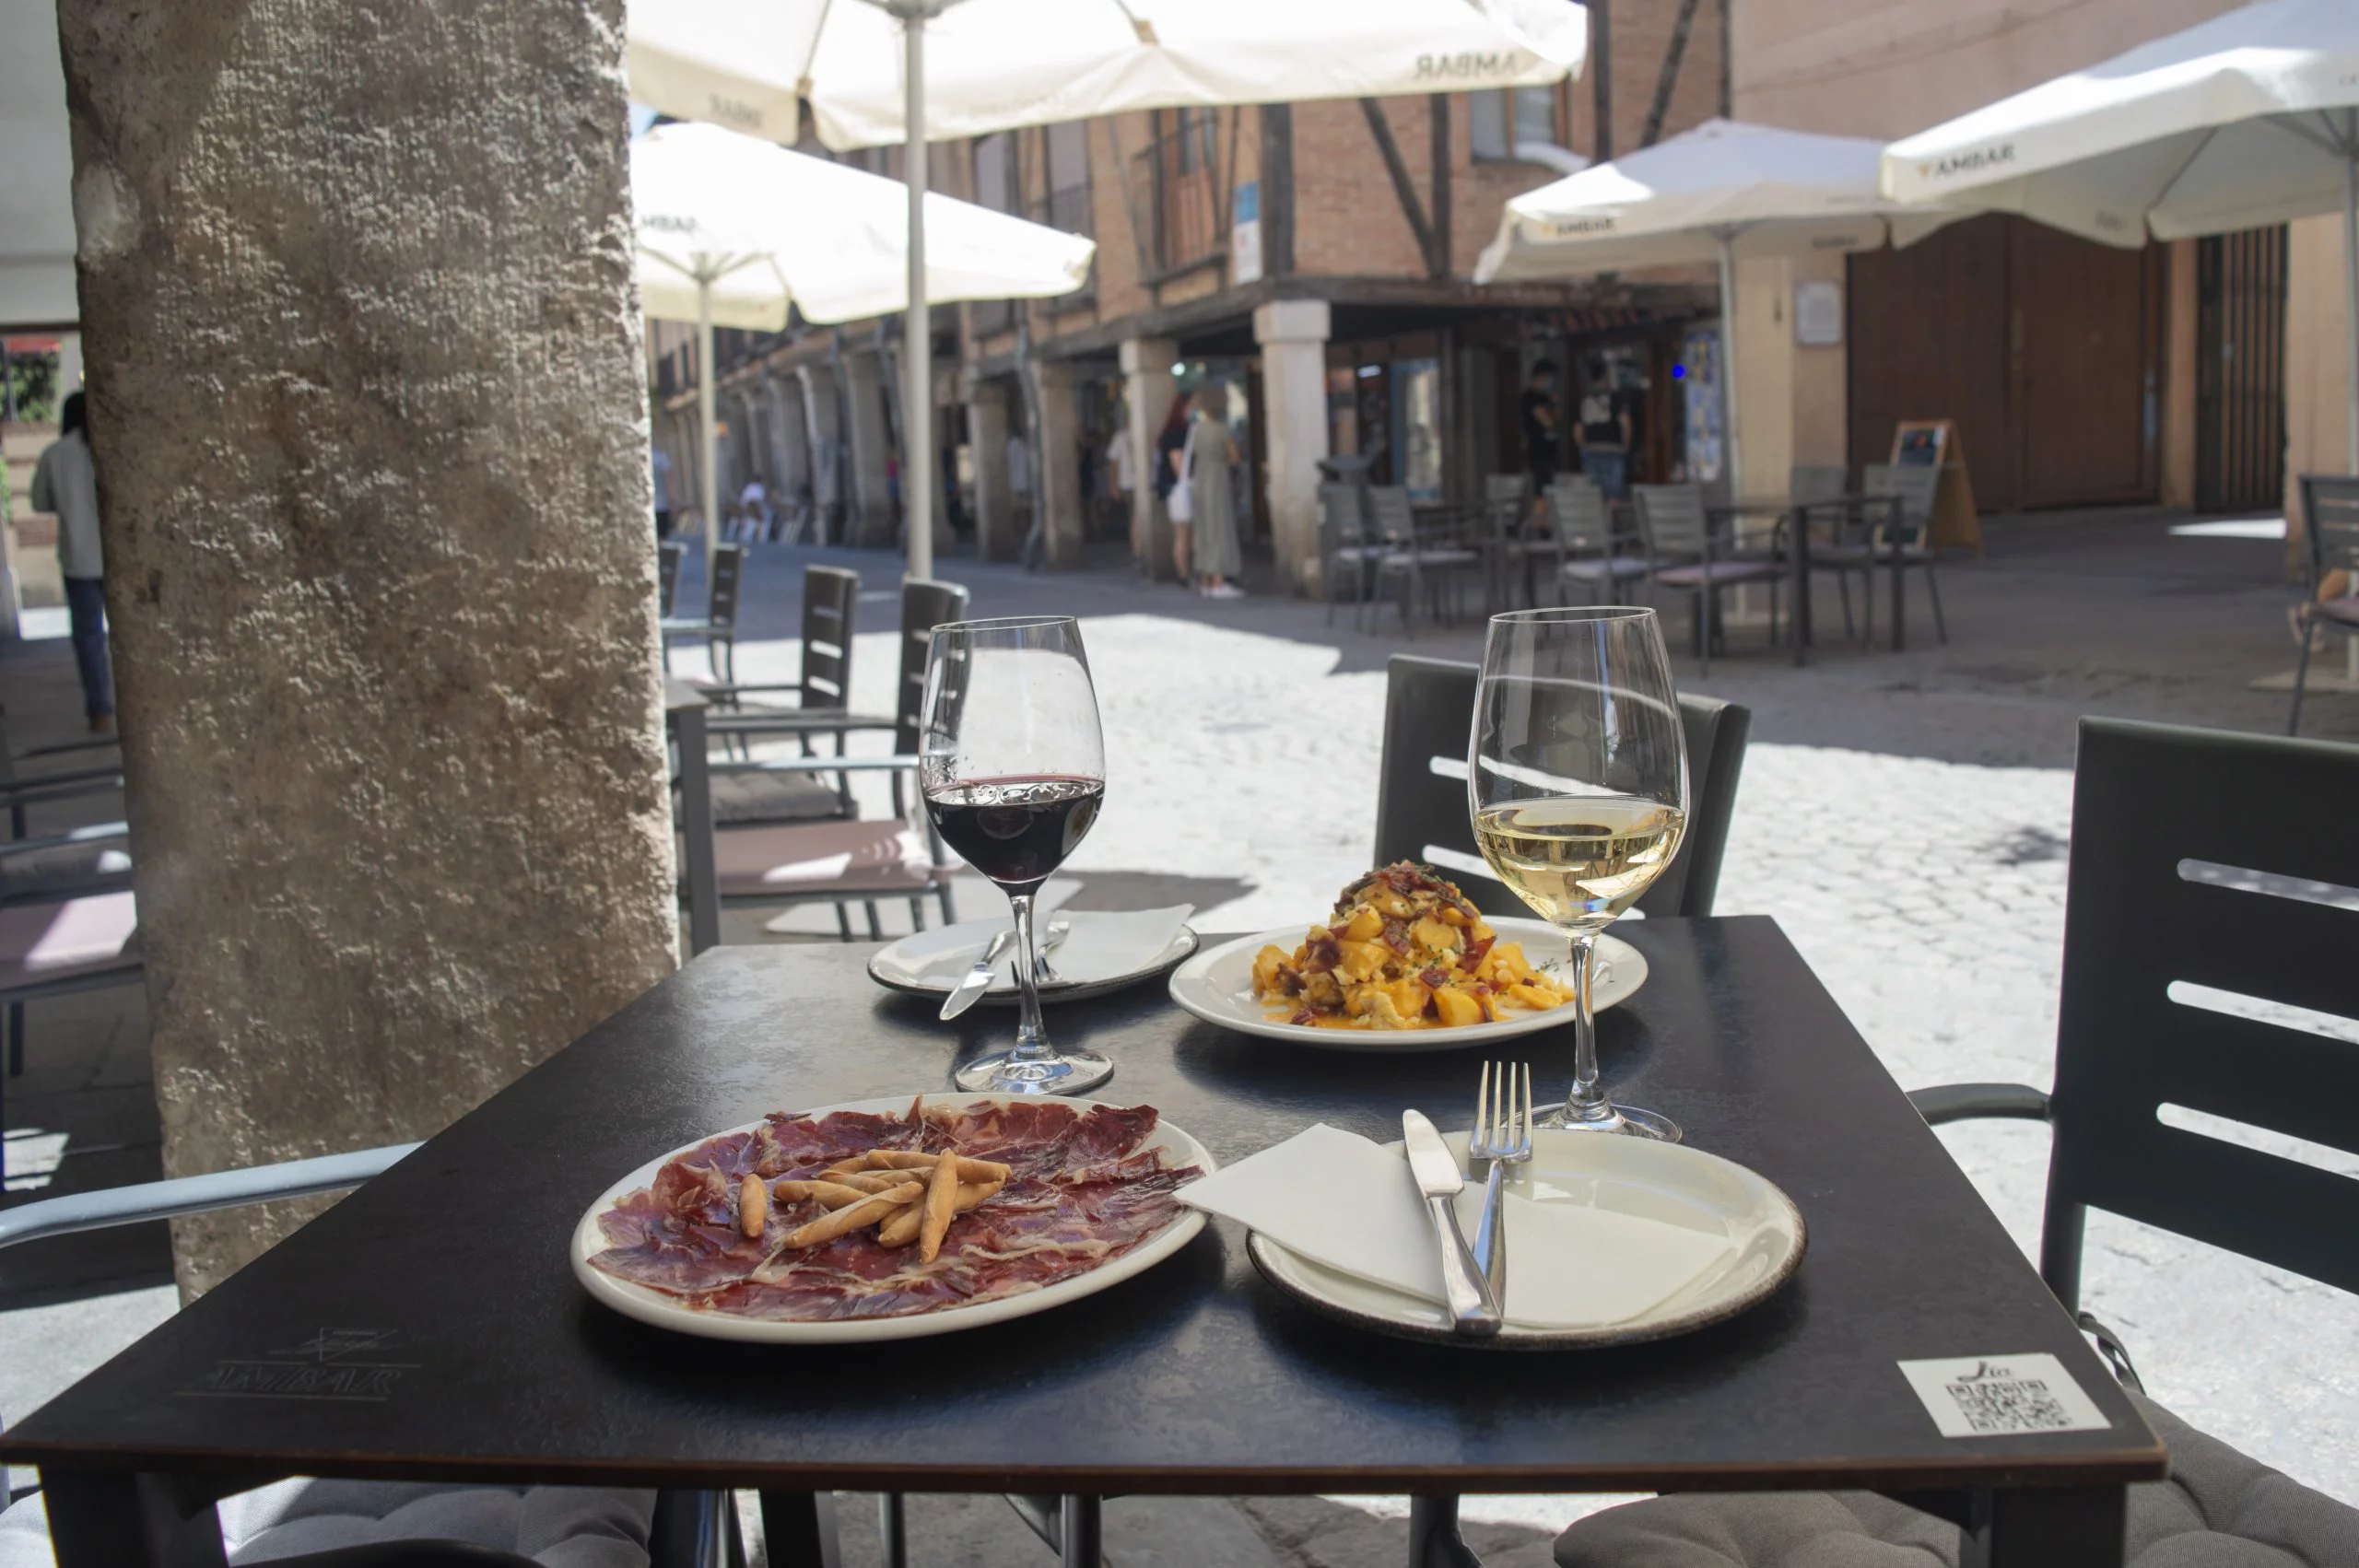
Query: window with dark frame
(1497,119)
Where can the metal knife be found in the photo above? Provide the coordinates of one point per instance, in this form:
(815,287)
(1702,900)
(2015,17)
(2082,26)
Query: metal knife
(1472,1312)
(977,980)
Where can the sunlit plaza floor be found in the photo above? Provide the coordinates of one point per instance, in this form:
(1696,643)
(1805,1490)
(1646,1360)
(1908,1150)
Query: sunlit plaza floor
(1905,816)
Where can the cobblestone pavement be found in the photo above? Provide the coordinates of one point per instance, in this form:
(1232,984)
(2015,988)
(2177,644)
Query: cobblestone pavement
(1905,817)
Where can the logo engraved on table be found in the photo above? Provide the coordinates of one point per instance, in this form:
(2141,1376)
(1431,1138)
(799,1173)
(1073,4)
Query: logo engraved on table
(354,1365)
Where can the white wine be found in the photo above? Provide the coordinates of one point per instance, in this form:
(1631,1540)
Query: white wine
(1581,860)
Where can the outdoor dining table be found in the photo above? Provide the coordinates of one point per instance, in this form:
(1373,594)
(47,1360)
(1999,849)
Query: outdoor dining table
(429,1329)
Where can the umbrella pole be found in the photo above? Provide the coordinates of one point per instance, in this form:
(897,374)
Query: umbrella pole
(705,373)
(2350,288)
(1728,367)
(918,486)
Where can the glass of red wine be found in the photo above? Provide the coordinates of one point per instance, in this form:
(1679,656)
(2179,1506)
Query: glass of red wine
(1013,769)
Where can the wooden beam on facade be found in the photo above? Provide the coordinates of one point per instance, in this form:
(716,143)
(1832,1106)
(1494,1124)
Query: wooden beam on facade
(1438,257)
(1600,67)
(1278,189)
(1675,53)
(1404,187)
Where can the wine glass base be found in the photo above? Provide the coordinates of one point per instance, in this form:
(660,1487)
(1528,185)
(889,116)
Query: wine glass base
(1064,1073)
(1627,1120)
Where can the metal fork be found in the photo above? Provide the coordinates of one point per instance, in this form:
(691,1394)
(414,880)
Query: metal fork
(1502,1135)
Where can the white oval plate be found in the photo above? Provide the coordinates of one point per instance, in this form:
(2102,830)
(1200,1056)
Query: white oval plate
(1669,1182)
(1217,987)
(667,1311)
(930,963)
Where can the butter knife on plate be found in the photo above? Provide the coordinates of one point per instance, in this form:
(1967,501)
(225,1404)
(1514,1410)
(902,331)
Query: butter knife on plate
(1472,1311)
(977,980)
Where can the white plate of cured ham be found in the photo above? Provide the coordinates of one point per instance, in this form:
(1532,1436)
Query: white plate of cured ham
(1087,1200)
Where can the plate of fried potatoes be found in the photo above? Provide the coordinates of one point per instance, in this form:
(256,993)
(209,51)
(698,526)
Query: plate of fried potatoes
(1404,962)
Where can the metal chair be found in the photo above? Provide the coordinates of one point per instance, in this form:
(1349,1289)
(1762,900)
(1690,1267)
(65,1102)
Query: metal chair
(1424,560)
(1590,550)
(687,1529)
(810,706)
(1904,538)
(1806,483)
(1694,557)
(1344,545)
(2197,862)
(716,628)
(667,574)
(68,924)
(19,790)
(2331,527)
(1421,793)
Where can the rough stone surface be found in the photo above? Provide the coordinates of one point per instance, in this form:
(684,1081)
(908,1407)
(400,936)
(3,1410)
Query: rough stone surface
(366,391)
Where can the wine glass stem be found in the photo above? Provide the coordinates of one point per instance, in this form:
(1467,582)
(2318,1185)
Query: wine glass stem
(1585,1103)
(1031,1038)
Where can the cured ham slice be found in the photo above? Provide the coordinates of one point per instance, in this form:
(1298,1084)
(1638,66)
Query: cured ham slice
(1082,1189)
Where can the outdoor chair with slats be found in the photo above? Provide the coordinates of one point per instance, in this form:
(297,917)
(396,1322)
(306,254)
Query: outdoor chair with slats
(2330,526)
(1899,539)
(20,790)
(1347,554)
(1421,812)
(1592,553)
(1426,561)
(804,709)
(717,627)
(306,1523)
(1695,557)
(2198,872)
(667,574)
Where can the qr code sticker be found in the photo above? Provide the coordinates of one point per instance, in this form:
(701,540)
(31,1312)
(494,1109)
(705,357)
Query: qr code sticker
(2025,1406)
(2000,1395)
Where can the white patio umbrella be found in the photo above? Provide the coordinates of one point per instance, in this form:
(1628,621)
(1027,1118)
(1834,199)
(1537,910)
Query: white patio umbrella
(1003,64)
(1724,192)
(2250,119)
(733,229)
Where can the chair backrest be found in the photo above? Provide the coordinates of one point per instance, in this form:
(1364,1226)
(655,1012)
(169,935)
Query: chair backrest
(2331,523)
(728,568)
(2206,874)
(1388,510)
(1342,511)
(1915,485)
(667,573)
(1674,517)
(925,604)
(1578,514)
(1506,486)
(1421,810)
(829,596)
(1813,482)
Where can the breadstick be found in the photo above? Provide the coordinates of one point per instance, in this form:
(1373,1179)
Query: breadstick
(968,1170)
(940,1193)
(835,1194)
(866,1181)
(753,1206)
(852,1216)
(901,1228)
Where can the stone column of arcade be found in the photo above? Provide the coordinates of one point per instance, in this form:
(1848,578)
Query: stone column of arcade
(1293,335)
(864,379)
(388,660)
(998,530)
(1060,475)
(1146,376)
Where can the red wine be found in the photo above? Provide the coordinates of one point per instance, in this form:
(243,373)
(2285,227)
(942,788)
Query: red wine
(1016,831)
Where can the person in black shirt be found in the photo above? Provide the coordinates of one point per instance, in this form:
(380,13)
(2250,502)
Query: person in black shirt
(1542,443)
(1604,432)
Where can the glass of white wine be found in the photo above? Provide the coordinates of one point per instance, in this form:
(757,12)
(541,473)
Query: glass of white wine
(1577,777)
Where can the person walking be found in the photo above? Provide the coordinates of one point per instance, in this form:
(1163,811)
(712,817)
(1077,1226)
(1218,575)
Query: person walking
(65,482)
(1540,441)
(1212,459)
(1170,468)
(1604,432)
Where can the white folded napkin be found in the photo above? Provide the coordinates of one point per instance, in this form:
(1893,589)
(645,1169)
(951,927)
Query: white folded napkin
(1340,1200)
(1102,944)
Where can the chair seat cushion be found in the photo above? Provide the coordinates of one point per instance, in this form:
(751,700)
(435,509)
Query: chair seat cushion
(2219,1509)
(1863,554)
(71,937)
(556,1526)
(1603,568)
(740,798)
(2345,610)
(1700,573)
(1400,560)
(815,858)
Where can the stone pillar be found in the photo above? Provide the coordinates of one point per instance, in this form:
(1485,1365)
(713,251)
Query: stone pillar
(1293,335)
(1059,478)
(1146,378)
(873,526)
(998,530)
(391,723)
(790,438)
(824,414)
